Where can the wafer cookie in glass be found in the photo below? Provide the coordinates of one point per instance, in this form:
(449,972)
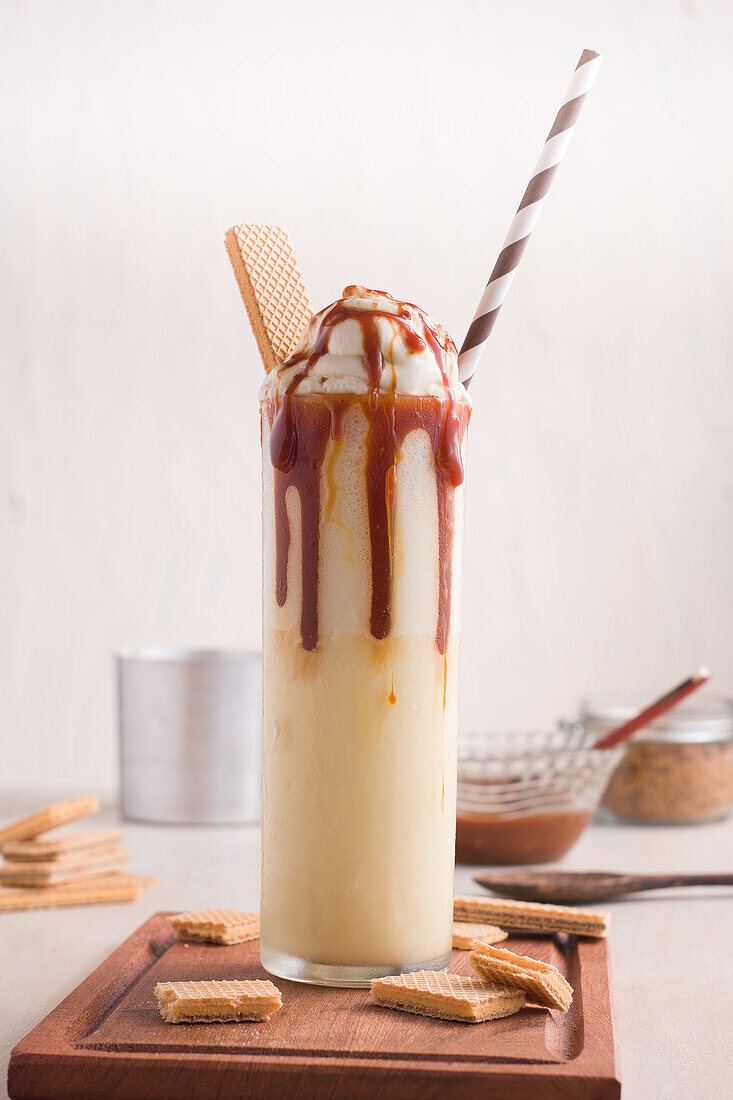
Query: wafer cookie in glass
(50,817)
(216,926)
(217,1002)
(447,996)
(271,286)
(531,916)
(543,983)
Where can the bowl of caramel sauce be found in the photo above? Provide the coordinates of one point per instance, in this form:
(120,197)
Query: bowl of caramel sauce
(526,797)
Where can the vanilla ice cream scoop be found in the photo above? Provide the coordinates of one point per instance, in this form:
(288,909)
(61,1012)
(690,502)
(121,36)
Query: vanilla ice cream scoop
(369,342)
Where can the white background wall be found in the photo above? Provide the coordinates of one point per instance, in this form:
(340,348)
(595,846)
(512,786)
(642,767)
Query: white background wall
(393,140)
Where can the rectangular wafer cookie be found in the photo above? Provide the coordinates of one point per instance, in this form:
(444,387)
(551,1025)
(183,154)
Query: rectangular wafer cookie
(53,872)
(447,996)
(271,286)
(92,891)
(217,1002)
(62,847)
(543,983)
(216,926)
(531,916)
(464,933)
(50,817)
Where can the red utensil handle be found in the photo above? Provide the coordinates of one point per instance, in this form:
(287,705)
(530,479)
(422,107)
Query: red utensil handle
(649,714)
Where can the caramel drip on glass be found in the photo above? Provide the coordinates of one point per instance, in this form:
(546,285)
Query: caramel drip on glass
(307,449)
(300,429)
(392,697)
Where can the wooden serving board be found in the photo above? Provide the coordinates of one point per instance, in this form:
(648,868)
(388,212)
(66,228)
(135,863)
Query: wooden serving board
(106,1041)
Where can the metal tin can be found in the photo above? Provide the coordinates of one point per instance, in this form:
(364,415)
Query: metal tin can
(189,735)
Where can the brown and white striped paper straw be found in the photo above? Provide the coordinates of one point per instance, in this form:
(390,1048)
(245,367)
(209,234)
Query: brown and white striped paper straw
(526,216)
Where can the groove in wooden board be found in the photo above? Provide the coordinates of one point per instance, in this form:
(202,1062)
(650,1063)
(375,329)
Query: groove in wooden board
(120,1048)
(564,1031)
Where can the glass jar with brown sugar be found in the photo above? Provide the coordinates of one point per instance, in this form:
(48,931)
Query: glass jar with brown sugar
(677,770)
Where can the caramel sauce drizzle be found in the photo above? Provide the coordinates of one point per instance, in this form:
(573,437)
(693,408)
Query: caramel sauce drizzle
(299,435)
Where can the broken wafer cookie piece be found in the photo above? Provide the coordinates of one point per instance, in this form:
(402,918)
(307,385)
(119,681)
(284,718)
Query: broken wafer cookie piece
(217,1002)
(464,933)
(543,983)
(272,288)
(216,926)
(89,891)
(531,916)
(67,846)
(50,817)
(447,996)
(53,872)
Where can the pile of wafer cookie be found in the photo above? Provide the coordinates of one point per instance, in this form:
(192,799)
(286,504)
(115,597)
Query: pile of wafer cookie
(213,1001)
(503,982)
(43,868)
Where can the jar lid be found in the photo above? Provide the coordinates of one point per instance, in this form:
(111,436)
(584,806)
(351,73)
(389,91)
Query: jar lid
(709,718)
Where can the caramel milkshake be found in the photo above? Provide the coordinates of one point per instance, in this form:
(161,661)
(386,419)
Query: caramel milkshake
(363,434)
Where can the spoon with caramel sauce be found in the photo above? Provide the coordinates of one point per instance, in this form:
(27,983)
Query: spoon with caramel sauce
(581,887)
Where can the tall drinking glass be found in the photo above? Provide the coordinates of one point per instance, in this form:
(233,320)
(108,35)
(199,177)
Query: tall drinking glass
(362,540)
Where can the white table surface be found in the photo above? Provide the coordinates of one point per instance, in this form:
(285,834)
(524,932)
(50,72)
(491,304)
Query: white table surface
(671,953)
